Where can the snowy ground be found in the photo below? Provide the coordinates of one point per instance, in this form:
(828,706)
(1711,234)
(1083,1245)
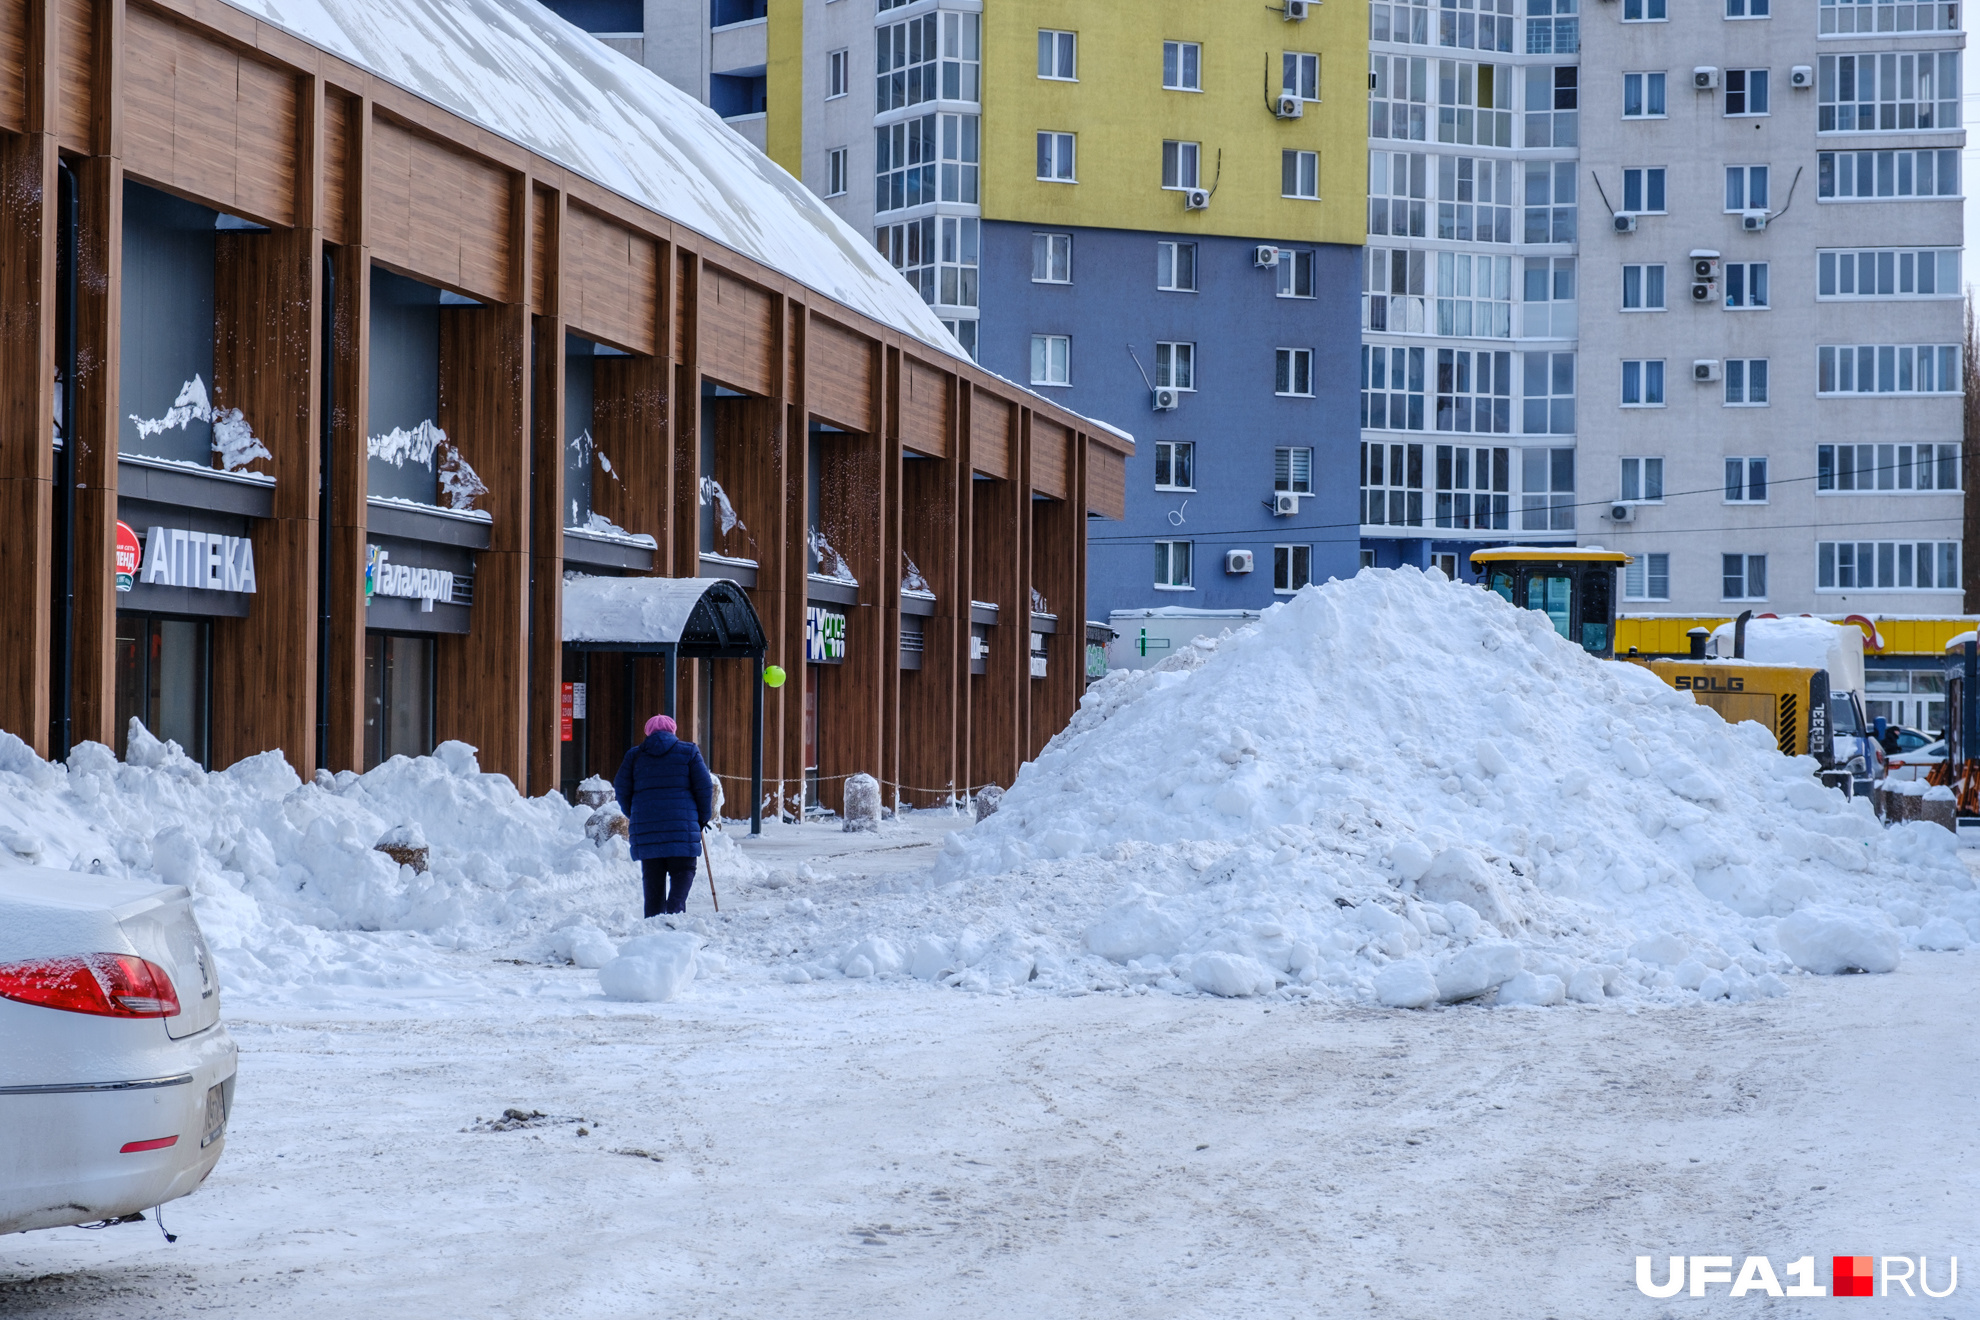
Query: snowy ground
(860,1148)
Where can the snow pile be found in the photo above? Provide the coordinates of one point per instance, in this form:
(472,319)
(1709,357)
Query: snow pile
(233,439)
(1805,642)
(1400,789)
(290,880)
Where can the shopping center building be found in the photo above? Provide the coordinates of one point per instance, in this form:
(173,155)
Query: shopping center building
(345,340)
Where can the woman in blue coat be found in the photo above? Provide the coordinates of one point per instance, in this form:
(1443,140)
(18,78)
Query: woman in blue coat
(664,787)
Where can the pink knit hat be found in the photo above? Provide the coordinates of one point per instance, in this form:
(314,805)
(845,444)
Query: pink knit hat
(659,722)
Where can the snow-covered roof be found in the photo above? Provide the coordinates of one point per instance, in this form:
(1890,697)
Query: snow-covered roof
(657,611)
(520,71)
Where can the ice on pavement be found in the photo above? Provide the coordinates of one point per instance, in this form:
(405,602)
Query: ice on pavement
(1394,790)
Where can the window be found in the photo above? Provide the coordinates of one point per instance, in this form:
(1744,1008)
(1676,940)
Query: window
(1175,465)
(1642,481)
(1888,273)
(1474,391)
(1291,470)
(1886,467)
(1746,188)
(1549,394)
(1474,296)
(1295,272)
(1055,157)
(1553,100)
(1294,373)
(1292,567)
(1182,66)
(1392,388)
(1746,382)
(1548,300)
(1408,22)
(1475,199)
(965,333)
(1180,164)
(1394,300)
(1175,366)
(1552,36)
(905,68)
(1891,92)
(1172,566)
(1051,360)
(1746,91)
(1549,201)
(1843,17)
(1368,559)
(1473,488)
(1643,288)
(1887,369)
(1398,189)
(1399,97)
(1058,55)
(1887,566)
(1643,383)
(1392,485)
(1747,8)
(1300,75)
(904,164)
(1746,284)
(1051,258)
(1299,174)
(1863,175)
(838,74)
(947,274)
(1643,191)
(1647,11)
(1746,481)
(1474,103)
(956,284)
(1546,501)
(962,57)
(1743,577)
(1643,96)
(1648,577)
(835,172)
(1175,267)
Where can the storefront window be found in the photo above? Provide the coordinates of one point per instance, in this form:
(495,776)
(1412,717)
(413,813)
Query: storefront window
(398,696)
(164,680)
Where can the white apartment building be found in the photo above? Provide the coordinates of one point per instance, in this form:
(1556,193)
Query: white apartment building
(1472,384)
(1771,317)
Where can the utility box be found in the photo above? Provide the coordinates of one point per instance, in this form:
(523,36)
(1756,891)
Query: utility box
(1145,638)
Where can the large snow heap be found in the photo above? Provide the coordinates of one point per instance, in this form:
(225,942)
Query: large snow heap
(1406,789)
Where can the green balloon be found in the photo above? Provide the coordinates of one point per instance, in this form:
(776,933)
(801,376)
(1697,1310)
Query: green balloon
(773,676)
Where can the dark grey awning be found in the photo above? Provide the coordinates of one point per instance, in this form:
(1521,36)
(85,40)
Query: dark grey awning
(695,618)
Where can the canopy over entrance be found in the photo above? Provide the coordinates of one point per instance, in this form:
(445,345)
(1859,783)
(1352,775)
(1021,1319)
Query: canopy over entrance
(674,618)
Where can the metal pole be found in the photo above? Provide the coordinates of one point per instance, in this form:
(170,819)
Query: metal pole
(756,750)
(633,721)
(672,680)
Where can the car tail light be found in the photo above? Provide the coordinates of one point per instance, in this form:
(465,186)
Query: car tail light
(105,984)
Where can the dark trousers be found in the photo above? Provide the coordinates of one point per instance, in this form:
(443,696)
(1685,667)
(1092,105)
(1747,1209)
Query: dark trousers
(668,880)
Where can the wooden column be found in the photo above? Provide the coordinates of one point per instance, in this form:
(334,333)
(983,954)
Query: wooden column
(349,358)
(783,708)
(751,458)
(547,514)
(996,698)
(100,265)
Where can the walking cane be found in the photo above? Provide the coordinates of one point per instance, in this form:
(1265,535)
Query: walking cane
(711,869)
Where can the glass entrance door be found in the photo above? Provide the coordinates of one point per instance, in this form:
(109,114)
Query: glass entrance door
(165,681)
(398,696)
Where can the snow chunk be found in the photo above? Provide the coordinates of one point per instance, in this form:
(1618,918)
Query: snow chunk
(1828,940)
(651,968)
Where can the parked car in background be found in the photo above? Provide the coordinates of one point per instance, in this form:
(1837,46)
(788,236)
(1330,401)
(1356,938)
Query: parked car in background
(1916,761)
(116,1074)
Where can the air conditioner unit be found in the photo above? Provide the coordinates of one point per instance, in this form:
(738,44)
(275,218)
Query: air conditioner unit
(1285,504)
(1753,221)
(1196,199)
(1238,561)
(1289,106)
(1296,10)
(1704,264)
(1624,222)
(1705,370)
(1166,399)
(1702,292)
(1801,77)
(1622,513)
(1705,78)
(1264,256)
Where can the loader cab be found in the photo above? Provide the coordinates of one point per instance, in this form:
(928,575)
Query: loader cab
(1575,589)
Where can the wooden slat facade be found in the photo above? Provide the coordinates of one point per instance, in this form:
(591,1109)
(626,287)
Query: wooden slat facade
(925,458)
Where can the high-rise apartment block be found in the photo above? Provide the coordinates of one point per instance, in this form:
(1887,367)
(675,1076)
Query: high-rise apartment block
(1151,212)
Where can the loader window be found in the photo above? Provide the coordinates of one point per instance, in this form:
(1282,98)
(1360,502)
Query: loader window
(1594,611)
(1550,594)
(1501,581)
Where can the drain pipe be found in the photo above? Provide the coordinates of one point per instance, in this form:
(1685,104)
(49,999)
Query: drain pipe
(62,676)
(326,506)
(1739,634)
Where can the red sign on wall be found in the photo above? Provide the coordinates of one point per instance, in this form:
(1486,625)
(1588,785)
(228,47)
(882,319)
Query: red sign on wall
(565,707)
(129,555)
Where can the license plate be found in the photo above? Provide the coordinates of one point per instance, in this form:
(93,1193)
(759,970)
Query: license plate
(216,1116)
